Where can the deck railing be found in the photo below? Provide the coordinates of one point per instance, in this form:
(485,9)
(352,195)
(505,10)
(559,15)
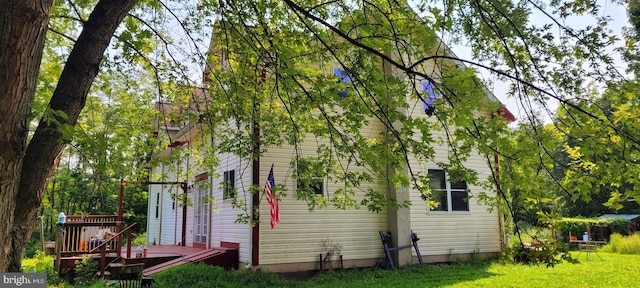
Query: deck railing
(102,247)
(80,233)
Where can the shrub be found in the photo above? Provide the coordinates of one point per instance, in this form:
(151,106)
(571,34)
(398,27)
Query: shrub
(140,240)
(257,278)
(623,244)
(201,275)
(577,226)
(85,270)
(619,225)
(41,263)
(191,275)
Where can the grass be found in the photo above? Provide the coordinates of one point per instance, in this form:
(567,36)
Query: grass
(623,244)
(614,270)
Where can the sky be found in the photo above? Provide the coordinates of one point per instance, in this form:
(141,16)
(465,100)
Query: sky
(620,19)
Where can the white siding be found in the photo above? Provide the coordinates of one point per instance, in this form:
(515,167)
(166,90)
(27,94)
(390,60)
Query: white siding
(299,236)
(223,214)
(171,212)
(445,233)
(153,222)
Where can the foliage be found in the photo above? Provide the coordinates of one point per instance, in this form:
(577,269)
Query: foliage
(577,226)
(140,240)
(85,271)
(629,244)
(34,245)
(42,263)
(201,275)
(39,263)
(549,253)
(600,141)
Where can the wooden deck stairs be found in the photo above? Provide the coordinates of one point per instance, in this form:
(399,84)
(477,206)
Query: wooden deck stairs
(221,256)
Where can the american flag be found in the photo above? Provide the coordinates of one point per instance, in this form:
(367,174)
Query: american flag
(272,199)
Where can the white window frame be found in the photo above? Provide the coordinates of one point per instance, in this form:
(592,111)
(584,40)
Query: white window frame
(449,193)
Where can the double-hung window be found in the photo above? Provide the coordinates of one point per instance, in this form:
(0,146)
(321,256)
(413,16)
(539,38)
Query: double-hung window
(309,176)
(450,196)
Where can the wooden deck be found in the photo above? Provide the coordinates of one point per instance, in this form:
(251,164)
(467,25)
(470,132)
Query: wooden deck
(161,257)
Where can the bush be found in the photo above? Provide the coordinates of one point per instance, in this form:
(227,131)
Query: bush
(623,244)
(202,275)
(85,270)
(602,227)
(545,251)
(41,263)
(192,276)
(619,225)
(140,240)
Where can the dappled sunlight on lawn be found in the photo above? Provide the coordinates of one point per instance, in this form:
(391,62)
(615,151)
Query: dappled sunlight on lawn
(613,270)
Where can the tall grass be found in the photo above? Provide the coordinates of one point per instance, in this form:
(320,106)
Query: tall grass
(623,244)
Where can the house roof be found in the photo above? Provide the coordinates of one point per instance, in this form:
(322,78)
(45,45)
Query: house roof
(625,216)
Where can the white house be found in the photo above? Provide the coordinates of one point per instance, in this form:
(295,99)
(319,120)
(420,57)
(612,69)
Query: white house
(458,227)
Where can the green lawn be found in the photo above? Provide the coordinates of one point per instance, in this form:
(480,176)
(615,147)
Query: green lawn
(614,270)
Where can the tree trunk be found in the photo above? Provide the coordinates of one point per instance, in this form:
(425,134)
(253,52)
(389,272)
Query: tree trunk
(22,36)
(67,101)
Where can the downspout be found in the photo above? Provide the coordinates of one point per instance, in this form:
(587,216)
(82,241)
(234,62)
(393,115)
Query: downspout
(160,204)
(498,192)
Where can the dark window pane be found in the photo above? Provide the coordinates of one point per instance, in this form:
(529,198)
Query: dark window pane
(459,201)
(317,186)
(460,185)
(229,184)
(232,179)
(436,179)
(157,204)
(441,197)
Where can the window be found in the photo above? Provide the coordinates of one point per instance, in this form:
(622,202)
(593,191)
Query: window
(343,79)
(450,196)
(229,184)
(309,176)
(430,97)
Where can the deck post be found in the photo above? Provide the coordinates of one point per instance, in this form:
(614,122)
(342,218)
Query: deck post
(119,222)
(103,259)
(59,239)
(128,243)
